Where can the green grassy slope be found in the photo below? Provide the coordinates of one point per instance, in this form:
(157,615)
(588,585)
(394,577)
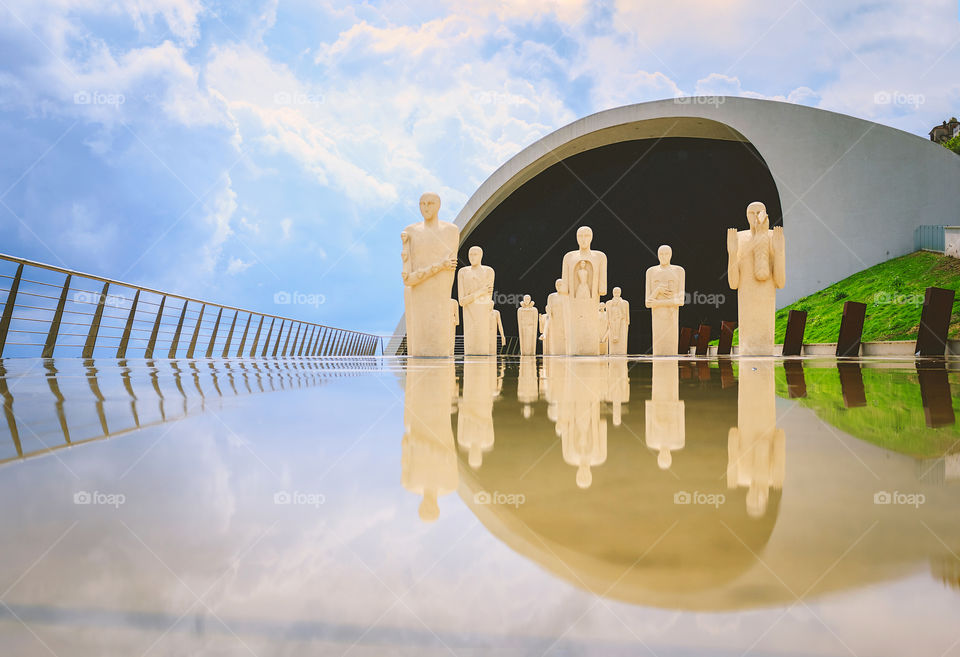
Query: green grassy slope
(893,417)
(893,292)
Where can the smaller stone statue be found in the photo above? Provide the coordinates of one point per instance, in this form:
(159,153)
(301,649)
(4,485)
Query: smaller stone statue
(618,322)
(665,289)
(527,319)
(604,328)
(475,292)
(558,310)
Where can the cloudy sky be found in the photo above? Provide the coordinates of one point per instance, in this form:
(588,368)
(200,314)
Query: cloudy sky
(232,150)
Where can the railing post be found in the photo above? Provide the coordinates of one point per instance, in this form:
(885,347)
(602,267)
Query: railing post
(276,346)
(266,342)
(196,333)
(213,337)
(233,324)
(55,324)
(172,353)
(321,339)
(128,327)
(256,339)
(287,341)
(243,340)
(309,342)
(8,308)
(95,324)
(303,343)
(156,329)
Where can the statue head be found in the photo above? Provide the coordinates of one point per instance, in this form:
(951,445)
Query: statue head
(664,458)
(475,254)
(603,305)
(429,205)
(757,216)
(527,301)
(584,236)
(429,510)
(664,253)
(584,476)
(561,286)
(616,293)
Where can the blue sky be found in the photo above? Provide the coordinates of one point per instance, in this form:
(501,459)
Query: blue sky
(233,150)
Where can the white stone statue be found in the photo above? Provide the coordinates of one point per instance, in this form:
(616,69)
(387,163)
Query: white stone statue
(429,256)
(558,314)
(604,329)
(475,419)
(618,322)
(475,291)
(496,327)
(585,275)
(665,427)
(756,447)
(665,289)
(428,452)
(527,320)
(755,269)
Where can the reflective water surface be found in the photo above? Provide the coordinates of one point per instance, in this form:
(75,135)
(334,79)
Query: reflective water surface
(480,506)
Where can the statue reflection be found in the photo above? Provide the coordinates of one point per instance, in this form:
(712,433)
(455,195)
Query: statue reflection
(428,454)
(756,446)
(527,384)
(582,430)
(618,387)
(481,385)
(665,428)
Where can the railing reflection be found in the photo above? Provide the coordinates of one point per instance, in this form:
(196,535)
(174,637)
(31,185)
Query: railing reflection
(148,389)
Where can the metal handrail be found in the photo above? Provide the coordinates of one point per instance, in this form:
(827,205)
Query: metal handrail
(203,332)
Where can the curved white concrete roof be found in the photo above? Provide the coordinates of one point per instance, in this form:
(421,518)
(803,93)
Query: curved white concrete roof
(852,190)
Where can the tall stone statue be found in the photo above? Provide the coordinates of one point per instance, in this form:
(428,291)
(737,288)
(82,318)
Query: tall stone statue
(428,453)
(558,311)
(585,275)
(527,319)
(618,322)
(429,256)
(665,289)
(665,428)
(475,291)
(755,269)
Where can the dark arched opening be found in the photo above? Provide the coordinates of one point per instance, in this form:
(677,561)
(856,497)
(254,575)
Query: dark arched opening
(636,195)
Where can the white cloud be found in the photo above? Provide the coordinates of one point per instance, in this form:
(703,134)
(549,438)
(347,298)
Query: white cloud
(238,266)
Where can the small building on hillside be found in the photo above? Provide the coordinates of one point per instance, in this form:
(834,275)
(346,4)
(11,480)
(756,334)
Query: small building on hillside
(945,131)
